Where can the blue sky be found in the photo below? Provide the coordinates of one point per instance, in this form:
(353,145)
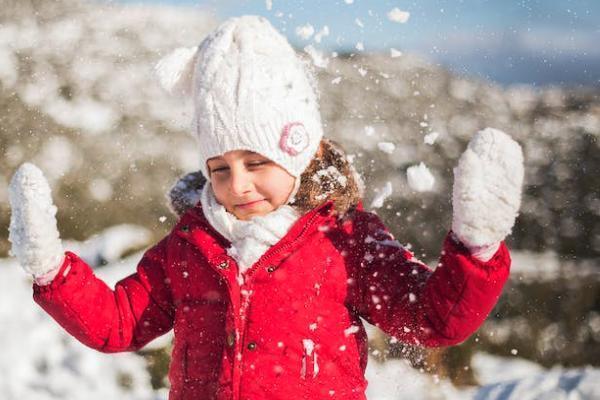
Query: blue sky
(527,41)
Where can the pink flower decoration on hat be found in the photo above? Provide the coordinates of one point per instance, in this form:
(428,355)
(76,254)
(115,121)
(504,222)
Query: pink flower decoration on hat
(294,138)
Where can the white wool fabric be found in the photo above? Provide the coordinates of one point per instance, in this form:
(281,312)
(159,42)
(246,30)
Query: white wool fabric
(32,231)
(176,70)
(251,92)
(249,239)
(486,194)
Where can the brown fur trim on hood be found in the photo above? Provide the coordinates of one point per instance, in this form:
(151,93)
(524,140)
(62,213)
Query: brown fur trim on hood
(329,176)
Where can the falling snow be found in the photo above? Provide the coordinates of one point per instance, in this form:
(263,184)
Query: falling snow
(420,178)
(399,16)
(386,147)
(305,31)
(383,194)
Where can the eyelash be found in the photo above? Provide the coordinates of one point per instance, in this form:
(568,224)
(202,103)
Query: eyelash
(252,164)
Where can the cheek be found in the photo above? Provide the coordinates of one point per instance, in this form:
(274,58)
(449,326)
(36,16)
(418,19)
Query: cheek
(279,184)
(219,189)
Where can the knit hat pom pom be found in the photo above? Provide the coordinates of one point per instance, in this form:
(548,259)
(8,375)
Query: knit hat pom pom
(175,71)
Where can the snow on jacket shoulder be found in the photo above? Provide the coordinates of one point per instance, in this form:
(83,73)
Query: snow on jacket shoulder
(291,329)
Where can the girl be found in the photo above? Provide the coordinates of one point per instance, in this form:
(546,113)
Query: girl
(273,261)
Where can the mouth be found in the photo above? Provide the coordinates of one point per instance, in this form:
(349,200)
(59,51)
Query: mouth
(250,204)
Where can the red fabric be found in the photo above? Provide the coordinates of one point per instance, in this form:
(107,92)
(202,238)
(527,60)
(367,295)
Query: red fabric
(246,342)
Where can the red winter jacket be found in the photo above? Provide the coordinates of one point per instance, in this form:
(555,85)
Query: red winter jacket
(292,329)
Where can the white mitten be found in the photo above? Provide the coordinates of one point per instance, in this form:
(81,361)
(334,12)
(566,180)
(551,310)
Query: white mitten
(33,233)
(487,191)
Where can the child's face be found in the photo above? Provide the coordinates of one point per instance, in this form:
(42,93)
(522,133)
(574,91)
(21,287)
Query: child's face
(248,184)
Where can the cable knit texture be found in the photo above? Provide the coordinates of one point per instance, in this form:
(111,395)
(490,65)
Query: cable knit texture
(251,92)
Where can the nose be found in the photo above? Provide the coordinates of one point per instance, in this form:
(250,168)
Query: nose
(240,182)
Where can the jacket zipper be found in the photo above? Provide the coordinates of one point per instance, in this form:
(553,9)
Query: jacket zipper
(261,261)
(270,255)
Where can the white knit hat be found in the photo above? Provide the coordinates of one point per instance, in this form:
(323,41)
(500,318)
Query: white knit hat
(251,92)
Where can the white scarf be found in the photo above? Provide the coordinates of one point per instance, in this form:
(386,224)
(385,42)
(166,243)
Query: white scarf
(249,239)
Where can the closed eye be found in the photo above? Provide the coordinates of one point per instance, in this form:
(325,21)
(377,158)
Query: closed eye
(219,169)
(257,163)
(252,164)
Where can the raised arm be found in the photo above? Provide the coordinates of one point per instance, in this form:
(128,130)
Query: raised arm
(126,318)
(138,310)
(402,296)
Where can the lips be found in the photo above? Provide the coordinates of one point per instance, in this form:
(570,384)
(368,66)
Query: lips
(250,204)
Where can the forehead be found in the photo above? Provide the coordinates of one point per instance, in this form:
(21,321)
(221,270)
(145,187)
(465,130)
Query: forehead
(232,155)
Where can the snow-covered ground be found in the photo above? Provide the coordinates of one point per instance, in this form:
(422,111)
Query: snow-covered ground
(40,361)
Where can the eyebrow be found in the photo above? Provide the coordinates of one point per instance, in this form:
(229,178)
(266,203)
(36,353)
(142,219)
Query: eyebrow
(245,152)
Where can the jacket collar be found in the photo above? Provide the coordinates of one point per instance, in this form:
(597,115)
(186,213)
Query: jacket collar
(304,223)
(195,228)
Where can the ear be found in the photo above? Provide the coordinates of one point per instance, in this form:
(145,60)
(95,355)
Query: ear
(175,71)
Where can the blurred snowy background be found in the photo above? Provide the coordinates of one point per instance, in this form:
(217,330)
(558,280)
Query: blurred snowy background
(78,99)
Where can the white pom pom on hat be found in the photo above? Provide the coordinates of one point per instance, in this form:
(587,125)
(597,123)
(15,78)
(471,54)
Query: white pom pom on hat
(250,91)
(176,70)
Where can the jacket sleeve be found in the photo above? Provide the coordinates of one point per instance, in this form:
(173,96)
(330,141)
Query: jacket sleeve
(402,296)
(138,310)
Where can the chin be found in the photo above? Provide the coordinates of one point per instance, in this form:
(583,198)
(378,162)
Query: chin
(251,214)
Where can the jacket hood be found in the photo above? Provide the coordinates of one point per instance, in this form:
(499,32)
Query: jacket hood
(186,192)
